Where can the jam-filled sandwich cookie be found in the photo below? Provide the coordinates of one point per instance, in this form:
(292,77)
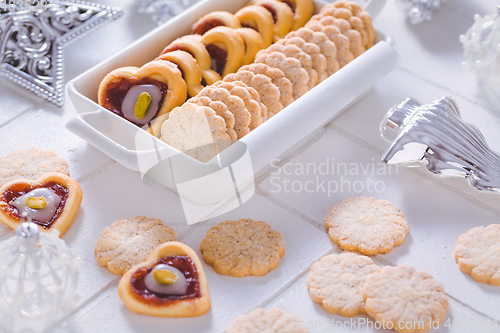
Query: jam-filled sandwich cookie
(282,16)
(243,247)
(226,49)
(215,19)
(30,164)
(192,45)
(253,44)
(189,68)
(142,94)
(170,283)
(302,9)
(52,201)
(260,19)
(128,242)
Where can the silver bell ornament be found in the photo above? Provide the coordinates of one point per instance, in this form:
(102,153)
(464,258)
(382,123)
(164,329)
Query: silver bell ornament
(38,279)
(163,10)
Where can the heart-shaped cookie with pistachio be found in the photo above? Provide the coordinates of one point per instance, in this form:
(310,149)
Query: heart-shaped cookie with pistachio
(51,201)
(145,95)
(170,283)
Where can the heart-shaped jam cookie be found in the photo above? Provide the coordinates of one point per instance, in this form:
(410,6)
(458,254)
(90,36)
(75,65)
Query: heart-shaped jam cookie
(145,95)
(52,201)
(170,283)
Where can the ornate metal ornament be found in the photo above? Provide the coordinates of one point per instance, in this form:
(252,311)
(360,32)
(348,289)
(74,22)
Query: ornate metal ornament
(419,11)
(435,135)
(32,40)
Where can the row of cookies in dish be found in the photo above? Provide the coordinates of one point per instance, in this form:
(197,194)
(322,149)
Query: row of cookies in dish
(280,74)
(220,44)
(35,185)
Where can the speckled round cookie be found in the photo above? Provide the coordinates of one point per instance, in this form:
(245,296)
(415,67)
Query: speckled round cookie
(128,242)
(327,47)
(30,164)
(195,130)
(366,225)
(405,299)
(336,282)
(268,92)
(291,67)
(359,19)
(267,321)
(253,106)
(278,78)
(235,105)
(313,50)
(293,51)
(478,254)
(243,247)
(220,109)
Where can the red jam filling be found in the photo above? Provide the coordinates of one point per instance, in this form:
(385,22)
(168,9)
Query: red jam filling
(218,56)
(17,190)
(271,10)
(183,264)
(206,25)
(291,5)
(118,88)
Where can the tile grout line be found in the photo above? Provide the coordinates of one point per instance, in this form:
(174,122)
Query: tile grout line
(57,324)
(429,81)
(20,114)
(290,209)
(469,307)
(435,180)
(97,171)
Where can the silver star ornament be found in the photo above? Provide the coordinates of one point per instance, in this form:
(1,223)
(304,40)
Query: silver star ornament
(33,35)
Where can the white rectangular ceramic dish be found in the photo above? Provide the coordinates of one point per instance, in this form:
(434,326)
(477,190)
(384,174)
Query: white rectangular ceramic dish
(135,149)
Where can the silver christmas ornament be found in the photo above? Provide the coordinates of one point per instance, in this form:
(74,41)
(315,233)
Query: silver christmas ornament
(419,11)
(163,10)
(435,135)
(38,279)
(32,40)
(481,45)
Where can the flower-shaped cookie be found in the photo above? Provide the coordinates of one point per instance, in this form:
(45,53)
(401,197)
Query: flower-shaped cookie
(478,254)
(268,321)
(128,242)
(366,225)
(243,247)
(405,299)
(336,282)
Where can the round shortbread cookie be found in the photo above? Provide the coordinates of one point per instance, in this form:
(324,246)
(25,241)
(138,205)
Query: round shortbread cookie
(478,254)
(30,164)
(128,242)
(313,50)
(366,225)
(293,51)
(234,104)
(243,247)
(252,105)
(278,78)
(359,19)
(291,67)
(255,96)
(267,321)
(405,299)
(196,130)
(344,27)
(336,282)
(269,93)
(327,47)
(220,109)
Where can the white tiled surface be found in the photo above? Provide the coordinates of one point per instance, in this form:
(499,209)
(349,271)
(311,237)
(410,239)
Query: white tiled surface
(438,210)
